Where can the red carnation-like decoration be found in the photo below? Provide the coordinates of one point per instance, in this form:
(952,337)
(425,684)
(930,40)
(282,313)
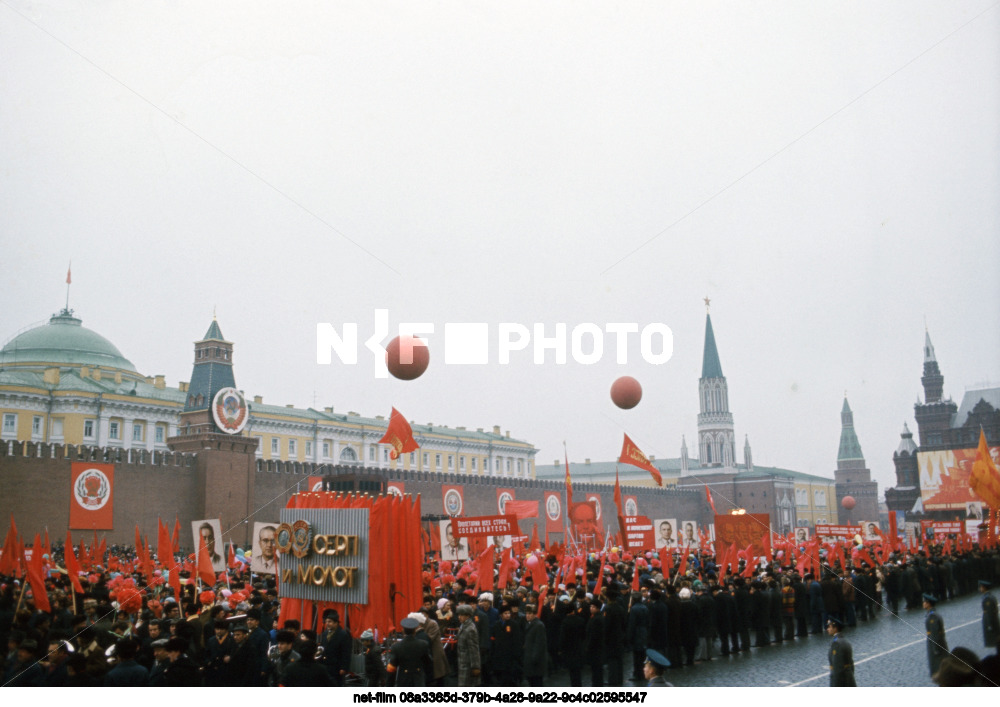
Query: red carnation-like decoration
(207,597)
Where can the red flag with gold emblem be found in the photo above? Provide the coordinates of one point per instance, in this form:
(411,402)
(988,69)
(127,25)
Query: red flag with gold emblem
(399,434)
(91,503)
(631,454)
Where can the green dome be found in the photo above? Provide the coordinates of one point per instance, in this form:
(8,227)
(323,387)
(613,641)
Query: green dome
(63,341)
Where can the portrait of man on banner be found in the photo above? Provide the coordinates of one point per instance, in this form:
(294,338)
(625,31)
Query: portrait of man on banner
(265,549)
(452,548)
(210,529)
(690,537)
(664,529)
(583,522)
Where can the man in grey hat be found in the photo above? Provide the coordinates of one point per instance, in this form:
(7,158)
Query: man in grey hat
(160,662)
(841,656)
(374,669)
(467,648)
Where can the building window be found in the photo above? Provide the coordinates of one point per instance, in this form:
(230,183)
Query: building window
(36,426)
(461,463)
(114,430)
(137,432)
(413,458)
(451,462)
(309,449)
(161,434)
(385,454)
(326,449)
(371,453)
(507,469)
(496,465)
(88,429)
(347,454)
(57,428)
(475,463)
(437,461)
(260,444)
(427,462)
(819,498)
(520,467)
(275,448)
(293,448)
(9,424)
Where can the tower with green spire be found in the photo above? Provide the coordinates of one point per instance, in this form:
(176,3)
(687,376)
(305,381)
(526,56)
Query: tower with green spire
(716,441)
(852,477)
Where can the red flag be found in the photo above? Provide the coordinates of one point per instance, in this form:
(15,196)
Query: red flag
(72,565)
(175,540)
(618,496)
(8,560)
(682,569)
(205,571)
(138,541)
(400,435)
(600,575)
(233,564)
(985,477)
(708,493)
(164,550)
(506,566)
(521,509)
(569,484)
(36,577)
(69,273)
(635,579)
(92,496)
(631,454)
(486,564)
(533,544)
(102,551)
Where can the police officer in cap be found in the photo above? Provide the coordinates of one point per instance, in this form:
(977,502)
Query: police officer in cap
(409,658)
(841,656)
(653,669)
(937,642)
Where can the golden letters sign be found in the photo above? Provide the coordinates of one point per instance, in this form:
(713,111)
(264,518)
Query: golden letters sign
(324,554)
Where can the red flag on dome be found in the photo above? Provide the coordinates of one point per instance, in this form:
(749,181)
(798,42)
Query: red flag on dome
(69,274)
(399,434)
(631,454)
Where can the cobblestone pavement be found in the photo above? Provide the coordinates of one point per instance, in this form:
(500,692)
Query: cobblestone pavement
(888,652)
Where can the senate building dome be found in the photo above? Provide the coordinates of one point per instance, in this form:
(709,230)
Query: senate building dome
(62,342)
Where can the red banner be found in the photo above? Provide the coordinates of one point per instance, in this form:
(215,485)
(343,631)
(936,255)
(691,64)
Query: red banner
(585,526)
(638,535)
(947,527)
(315,483)
(396,488)
(838,531)
(91,504)
(631,506)
(743,531)
(553,512)
(504,495)
(454,500)
(521,509)
(484,526)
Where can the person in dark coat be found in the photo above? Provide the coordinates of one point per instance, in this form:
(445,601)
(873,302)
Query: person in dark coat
(467,647)
(243,666)
(657,621)
(723,625)
(508,648)
(374,668)
(484,625)
(595,644)
(220,648)
(182,671)
(572,642)
(127,673)
(336,644)
(706,622)
(991,619)
(833,597)
(536,649)
(775,613)
(817,609)
(637,634)
(841,657)
(893,587)
(409,659)
(24,670)
(306,672)
(615,625)
(689,624)
(160,662)
(673,627)
(937,641)
(744,613)
(801,606)
(258,641)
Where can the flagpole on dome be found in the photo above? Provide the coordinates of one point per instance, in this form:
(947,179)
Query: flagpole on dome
(69,280)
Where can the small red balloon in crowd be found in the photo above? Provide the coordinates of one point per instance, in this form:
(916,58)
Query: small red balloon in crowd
(407,357)
(848,502)
(626,392)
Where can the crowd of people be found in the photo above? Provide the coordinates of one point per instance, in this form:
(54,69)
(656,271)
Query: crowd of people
(614,621)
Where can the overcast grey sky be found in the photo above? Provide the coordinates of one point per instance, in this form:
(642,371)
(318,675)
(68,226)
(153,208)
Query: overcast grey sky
(827,173)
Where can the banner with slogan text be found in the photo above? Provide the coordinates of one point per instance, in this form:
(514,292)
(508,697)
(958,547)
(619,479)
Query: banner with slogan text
(484,526)
(553,512)
(837,531)
(639,535)
(91,505)
(941,528)
(454,500)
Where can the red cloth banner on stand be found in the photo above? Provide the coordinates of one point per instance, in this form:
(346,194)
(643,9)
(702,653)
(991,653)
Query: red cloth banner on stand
(553,512)
(504,495)
(453,499)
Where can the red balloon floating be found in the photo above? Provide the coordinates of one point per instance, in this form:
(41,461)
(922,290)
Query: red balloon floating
(848,502)
(407,357)
(626,392)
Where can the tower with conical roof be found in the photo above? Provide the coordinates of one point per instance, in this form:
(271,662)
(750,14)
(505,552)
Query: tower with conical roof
(852,477)
(907,490)
(716,442)
(934,415)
